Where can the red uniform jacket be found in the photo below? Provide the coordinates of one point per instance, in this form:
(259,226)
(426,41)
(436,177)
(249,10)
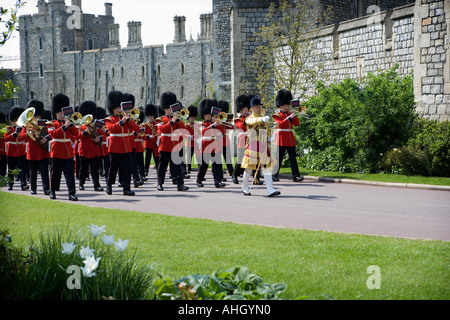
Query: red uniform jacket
(16,147)
(241,131)
(139,140)
(2,144)
(285,131)
(166,131)
(212,138)
(150,130)
(61,144)
(119,136)
(102,150)
(87,147)
(225,129)
(35,152)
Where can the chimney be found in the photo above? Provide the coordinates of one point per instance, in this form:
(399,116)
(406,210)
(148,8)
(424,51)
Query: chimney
(114,35)
(180,26)
(108,9)
(134,33)
(56,5)
(77,3)
(206,26)
(42,7)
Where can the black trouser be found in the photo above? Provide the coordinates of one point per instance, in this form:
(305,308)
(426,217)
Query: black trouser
(17,163)
(77,166)
(292,159)
(140,164)
(175,169)
(122,162)
(191,152)
(216,168)
(134,168)
(227,156)
(42,167)
(148,159)
(59,166)
(104,163)
(237,168)
(3,164)
(86,165)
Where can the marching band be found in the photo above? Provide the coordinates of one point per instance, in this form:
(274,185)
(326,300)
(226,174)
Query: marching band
(86,144)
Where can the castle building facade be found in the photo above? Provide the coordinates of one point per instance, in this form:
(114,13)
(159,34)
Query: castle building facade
(84,57)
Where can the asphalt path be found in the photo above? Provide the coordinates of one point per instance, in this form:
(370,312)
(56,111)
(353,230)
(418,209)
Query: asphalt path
(313,205)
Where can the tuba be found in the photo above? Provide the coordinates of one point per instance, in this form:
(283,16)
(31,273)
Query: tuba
(33,127)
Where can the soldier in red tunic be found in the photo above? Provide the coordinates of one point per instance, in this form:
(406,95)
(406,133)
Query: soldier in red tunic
(16,138)
(88,146)
(169,147)
(61,132)
(38,153)
(102,150)
(2,145)
(152,139)
(212,143)
(226,129)
(193,144)
(120,126)
(285,139)
(243,108)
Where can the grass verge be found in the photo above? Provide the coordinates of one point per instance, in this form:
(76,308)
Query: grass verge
(311,263)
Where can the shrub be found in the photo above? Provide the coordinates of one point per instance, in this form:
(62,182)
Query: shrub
(234,284)
(426,153)
(107,273)
(352,124)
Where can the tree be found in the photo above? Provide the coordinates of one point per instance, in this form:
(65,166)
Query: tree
(7,88)
(288,57)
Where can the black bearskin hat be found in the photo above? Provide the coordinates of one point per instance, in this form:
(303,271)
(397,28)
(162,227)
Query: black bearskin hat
(224,106)
(242,101)
(193,111)
(150,110)
(88,107)
(167,99)
(100,113)
(15,113)
(160,111)
(113,100)
(59,101)
(47,115)
(283,97)
(129,97)
(38,107)
(205,105)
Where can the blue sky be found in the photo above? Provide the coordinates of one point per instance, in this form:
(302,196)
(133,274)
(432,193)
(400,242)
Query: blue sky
(156,17)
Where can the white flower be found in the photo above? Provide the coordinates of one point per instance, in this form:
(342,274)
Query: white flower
(90,265)
(86,252)
(121,245)
(96,230)
(68,247)
(108,240)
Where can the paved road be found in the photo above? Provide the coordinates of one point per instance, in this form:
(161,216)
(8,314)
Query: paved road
(339,207)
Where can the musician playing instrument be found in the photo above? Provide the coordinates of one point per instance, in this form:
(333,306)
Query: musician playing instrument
(38,155)
(152,139)
(169,147)
(16,139)
(61,132)
(2,145)
(257,153)
(119,125)
(285,139)
(102,150)
(193,144)
(243,109)
(88,146)
(227,127)
(212,143)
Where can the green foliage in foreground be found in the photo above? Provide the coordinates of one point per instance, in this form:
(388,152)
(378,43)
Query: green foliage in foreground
(310,263)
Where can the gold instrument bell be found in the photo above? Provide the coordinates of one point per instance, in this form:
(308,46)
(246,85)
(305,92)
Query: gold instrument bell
(184,113)
(135,113)
(76,118)
(27,120)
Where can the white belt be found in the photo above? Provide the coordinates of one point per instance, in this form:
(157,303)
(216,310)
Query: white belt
(286,130)
(61,140)
(105,143)
(166,135)
(16,143)
(243,133)
(119,135)
(137,140)
(210,138)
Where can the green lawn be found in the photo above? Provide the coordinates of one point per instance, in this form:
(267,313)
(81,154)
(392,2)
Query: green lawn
(311,263)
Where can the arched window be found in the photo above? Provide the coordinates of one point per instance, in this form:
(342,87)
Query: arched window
(99,73)
(182,92)
(41,70)
(142,93)
(211,67)
(182,69)
(83,74)
(143,71)
(90,44)
(158,70)
(41,46)
(122,72)
(113,72)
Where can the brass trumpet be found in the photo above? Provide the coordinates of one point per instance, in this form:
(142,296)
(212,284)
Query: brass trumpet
(76,118)
(301,111)
(134,113)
